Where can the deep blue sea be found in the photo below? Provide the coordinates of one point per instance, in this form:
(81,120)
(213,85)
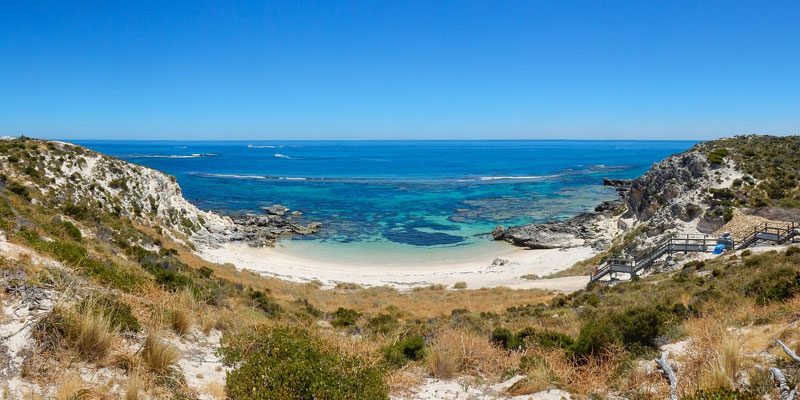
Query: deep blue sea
(396,197)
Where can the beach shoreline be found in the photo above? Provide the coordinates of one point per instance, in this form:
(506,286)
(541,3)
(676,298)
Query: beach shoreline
(505,268)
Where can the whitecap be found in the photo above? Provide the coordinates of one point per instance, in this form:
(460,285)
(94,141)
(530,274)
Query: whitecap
(526,178)
(195,155)
(279,155)
(234,176)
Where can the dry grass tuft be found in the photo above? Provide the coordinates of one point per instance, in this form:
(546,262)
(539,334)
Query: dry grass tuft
(91,333)
(548,368)
(714,358)
(75,389)
(207,322)
(180,321)
(134,388)
(455,351)
(725,367)
(402,380)
(159,357)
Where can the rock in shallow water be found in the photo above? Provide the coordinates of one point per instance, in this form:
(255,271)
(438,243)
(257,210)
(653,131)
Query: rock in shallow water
(276,209)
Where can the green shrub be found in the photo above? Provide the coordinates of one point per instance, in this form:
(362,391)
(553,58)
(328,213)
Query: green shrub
(383,324)
(167,270)
(5,209)
(595,337)
(172,280)
(206,272)
(636,328)
(746,253)
(344,317)
(792,251)
(263,302)
(411,348)
(772,286)
(696,264)
(545,339)
(70,230)
(77,211)
(717,155)
(119,183)
(506,339)
(19,190)
(640,326)
(727,214)
(78,257)
(290,363)
(118,312)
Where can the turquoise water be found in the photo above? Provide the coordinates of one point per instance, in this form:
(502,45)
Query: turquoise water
(433,200)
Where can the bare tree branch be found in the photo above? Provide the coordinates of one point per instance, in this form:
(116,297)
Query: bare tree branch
(786,393)
(667,372)
(789,352)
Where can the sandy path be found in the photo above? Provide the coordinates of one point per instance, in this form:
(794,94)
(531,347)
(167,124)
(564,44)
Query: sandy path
(477,273)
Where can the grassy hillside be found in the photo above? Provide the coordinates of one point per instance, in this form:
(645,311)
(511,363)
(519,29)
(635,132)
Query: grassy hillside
(771,166)
(129,302)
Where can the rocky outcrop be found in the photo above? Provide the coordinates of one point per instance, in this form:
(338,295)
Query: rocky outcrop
(573,232)
(264,230)
(672,196)
(82,179)
(664,184)
(622,185)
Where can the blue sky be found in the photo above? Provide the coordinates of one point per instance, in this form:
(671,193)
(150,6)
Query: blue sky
(397,69)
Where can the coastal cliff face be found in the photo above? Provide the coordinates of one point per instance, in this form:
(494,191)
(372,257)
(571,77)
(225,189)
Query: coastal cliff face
(694,192)
(82,182)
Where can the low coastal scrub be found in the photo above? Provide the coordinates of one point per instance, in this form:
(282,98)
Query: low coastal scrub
(86,330)
(288,362)
(118,313)
(410,348)
(769,164)
(344,317)
(133,290)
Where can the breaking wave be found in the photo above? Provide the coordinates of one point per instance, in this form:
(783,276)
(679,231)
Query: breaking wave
(195,155)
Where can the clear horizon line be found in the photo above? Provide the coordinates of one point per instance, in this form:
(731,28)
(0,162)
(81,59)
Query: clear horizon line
(380,140)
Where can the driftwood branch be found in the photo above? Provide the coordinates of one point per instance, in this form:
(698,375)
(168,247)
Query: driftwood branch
(669,373)
(789,352)
(786,392)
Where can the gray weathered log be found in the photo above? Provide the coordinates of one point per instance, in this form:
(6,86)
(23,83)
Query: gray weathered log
(666,370)
(789,352)
(786,392)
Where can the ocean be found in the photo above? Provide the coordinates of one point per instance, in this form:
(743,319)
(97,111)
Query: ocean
(419,201)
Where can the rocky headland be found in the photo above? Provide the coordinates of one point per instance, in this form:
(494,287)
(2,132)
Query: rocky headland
(695,193)
(84,182)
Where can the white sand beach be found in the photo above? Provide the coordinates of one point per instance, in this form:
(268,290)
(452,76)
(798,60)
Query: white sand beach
(480,272)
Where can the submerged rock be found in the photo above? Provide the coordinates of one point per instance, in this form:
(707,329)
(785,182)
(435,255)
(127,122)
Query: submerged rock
(276,209)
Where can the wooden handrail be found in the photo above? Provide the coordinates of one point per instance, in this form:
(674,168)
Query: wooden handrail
(665,246)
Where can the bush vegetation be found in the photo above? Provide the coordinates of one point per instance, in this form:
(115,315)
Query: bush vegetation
(344,317)
(409,348)
(292,363)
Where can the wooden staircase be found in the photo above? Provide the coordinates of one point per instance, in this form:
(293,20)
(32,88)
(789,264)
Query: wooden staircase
(767,232)
(773,233)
